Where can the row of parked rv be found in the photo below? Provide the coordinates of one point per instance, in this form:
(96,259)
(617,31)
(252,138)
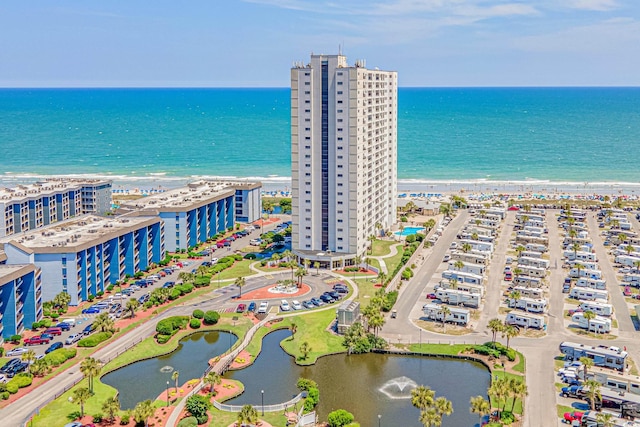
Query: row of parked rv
(584,281)
(463,281)
(525,293)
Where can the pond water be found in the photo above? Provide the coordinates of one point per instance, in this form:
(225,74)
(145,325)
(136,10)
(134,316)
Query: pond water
(148,378)
(366,385)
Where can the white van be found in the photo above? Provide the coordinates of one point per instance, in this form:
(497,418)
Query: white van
(284,305)
(264,306)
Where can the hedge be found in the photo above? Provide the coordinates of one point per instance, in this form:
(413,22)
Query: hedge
(211,317)
(95,339)
(194,323)
(198,314)
(171,325)
(202,281)
(188,422)
(59,356)
(21,380)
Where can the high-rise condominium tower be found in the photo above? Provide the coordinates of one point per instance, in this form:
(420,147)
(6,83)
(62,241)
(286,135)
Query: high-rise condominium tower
(344,157)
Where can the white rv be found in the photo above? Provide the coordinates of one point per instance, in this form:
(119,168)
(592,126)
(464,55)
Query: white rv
(467,287)
(478,269)
(528,270)
(531,254)
(457,297)
(478,245)
(459,316)
(463,277)
(599,308)
(536,247)
(599,284)
(586,294)
(525,240)
(470,257)
(533,293)
(527,281)
(628,260)
(589,265)
(599,325)
(585,272)
(528,304)
(632,278)
(524,320)
(534,262)
(580,256)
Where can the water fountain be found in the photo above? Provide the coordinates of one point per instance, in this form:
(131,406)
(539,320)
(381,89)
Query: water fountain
(398,388)
(166,369)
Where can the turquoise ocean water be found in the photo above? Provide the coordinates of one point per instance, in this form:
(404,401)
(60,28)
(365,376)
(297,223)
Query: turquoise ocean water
(470,135)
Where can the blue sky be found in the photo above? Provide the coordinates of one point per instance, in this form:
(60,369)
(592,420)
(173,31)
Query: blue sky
(233,43)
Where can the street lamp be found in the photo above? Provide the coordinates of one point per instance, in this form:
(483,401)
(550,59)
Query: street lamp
(167,394)
(262,393)
(379,418)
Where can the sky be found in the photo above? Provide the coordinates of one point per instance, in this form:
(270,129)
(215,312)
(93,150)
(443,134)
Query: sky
(253,43)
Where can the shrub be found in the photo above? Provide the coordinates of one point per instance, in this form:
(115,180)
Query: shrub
(175,294)
(12,387)
(100,294)
(59,356)
(21,380)
(97,418)
(198,314)
(410,238)
(5,395)
(3,387)
(15,339)
(305,384)
(90,298)
(198,406)
(124,419)
(390,299)
(194,323)
(110,288)
(340,418)
(188,422)
(162,339)
(211,317)
(171,325)
(1,351)
(95,339)
(487,351)
(507,417)
(250,255)
(406,274)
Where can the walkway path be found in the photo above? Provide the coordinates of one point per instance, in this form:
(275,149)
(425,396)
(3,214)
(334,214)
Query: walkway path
(380,258)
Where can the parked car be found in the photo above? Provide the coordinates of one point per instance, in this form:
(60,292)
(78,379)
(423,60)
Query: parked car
(296,305)
(326,298)
(88,329)
(64,326)
(570,417)
(432,296)
(508,276)
(284,305)
(37,340)
(91,310)
(575,391)
(341,289)
(252,306)
(241,308)
(264,306)
(7,366)
(54,331)
(317,301)
(566,289)
(307,304)
(53,347)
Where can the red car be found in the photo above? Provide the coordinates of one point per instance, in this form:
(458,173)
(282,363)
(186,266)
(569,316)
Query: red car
(36,341)
(513,208)
(508,276)
(432,296)
(569,417)
(220,243)
(241,308)
(53,331)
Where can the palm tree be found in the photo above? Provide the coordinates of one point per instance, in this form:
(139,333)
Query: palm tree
(293,327)
(636,265)
(376,322)
(430,417)
(143,411)
(111,406)
(628,249)
(589,315)
(587,363)
(458,265)
(444,311)
(131,306)
(212,379)
(575,247)
(300,273)
(480,406)
(495,326)
(593,392)
(316,265)
(578,267)
(520,249)
(306,264)
(517,272)
(453,282)
(378,227)
(80,396)
(276,257)
(509,332)
(382,277)
(466,247)
(499,392)
(443,407)
(28,357)
(517,389)
(605,419)
(240,282)
(39,367)
(104,323)
(186,277)
(475,236)
(372,239)
(515,295)
(90,368)
(422,397)
(305,349)
(247,414)
(174,376)
(202,270)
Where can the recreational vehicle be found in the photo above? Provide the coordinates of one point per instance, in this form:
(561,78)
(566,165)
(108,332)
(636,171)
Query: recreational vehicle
(467,287)
(533,293)
(586,294)
(501,212)
(457,297)
(528,304)
(536,247)
(531,254)
(584,282)
(580,256)
(470,258)
(528,270)
(632,278)
(587,265)
(467,267)
(459,316)
(617,382)
(533,262)
(628,260)
(585,272)
(463,277)
(527,281)
(599,308)
(524,320)
(599,324)
(525,240)
(606,357)
(465,235)
(478,245)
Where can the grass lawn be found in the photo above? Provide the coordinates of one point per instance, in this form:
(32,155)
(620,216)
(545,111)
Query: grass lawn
(454,349)
(393,262)
(561,409)
(238,269)
(374,263)
(312,329)
(366,290)
(224,419)
(519,367)
(382,247)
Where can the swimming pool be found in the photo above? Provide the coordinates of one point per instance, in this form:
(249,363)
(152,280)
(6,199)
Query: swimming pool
(407,231)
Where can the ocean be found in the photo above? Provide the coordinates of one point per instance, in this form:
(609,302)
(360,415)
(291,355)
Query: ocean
(582,137)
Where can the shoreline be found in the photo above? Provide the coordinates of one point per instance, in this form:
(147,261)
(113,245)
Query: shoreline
(274,185)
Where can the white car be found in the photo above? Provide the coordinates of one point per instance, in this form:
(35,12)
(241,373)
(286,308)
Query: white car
(73,338)
(284,305)
(214,260)
(264,306)
(296,305)
(18,351)
(255,242)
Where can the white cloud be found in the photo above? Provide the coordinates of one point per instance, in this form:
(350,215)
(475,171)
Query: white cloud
(596,5)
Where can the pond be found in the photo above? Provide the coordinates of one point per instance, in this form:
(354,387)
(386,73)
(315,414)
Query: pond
(366,385)
(148,378)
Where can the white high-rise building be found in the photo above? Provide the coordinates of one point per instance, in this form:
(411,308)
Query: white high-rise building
(344,157)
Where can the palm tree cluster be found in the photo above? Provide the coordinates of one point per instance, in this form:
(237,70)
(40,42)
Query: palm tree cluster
(432,409)
(503,390)
(90,368)
(506,330)
(372,313)
(248,415)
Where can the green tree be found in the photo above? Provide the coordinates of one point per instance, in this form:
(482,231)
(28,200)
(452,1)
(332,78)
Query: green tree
(305,349)
(104,323)
(62,300)
(587,363)
(443,407)
(131,306)
(508,332)
(40,367)
(592,388)
(240,282)
(90,368)
(340,418)
(202,270)
(517,389)
(80,396)
(495,326)
(212,379)
(480,406)
(382,277)
(300,273)
(293,327)
(143,411)
(316,265)
(175,376)
(589,315)
(605,419)
(499,392)
(28,357)
(519,250)
(466,247)
(422,397)
(247,414)
(376,322)
(459,265)
(198,406)
(444,311)
(111,407)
